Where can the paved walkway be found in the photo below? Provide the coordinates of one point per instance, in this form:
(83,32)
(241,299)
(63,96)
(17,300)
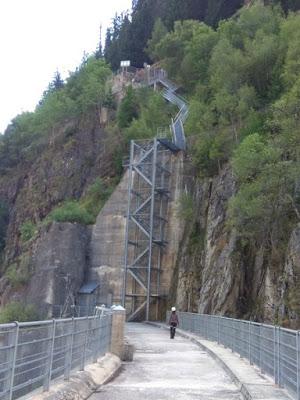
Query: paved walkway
(165,369)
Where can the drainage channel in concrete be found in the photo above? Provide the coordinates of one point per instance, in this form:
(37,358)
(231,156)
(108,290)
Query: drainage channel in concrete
(167,369)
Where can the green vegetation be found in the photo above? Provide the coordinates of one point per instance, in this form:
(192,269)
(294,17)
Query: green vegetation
(121,37)
(71,211)
(159,32)
(3,223)
(242,81)
(85,91)
(16,277)
(186,208)
(85,210)
(97,194)
(28,229)
(19,273)
(151,112)
(150,19)
(128,109)
(17,311)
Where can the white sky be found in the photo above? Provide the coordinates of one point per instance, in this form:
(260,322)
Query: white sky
(38,37)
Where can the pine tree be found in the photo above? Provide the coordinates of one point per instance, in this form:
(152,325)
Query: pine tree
(99,51)
(58,82)
(159,31)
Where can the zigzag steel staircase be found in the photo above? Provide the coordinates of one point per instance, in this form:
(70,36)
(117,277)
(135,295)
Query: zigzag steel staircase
(148,195)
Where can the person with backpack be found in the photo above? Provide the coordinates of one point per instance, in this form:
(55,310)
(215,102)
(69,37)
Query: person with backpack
(173,322)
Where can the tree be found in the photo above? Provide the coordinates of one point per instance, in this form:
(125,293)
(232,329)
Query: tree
(153,112)
(142,21)
(3,223)
(159,32)
(290,41)
(87,87)
(58,82)
(99,50)
(128,109)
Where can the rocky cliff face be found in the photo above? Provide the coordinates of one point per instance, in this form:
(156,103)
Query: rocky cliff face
(206,268)
(290,282)
(65,166)
(73,158)
(59,260)
(215,273)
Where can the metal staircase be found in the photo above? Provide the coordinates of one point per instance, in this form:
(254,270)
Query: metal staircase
(159,76)
(148,194)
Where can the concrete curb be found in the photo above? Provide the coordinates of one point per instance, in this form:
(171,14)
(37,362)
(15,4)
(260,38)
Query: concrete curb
(82,384)
(250,389)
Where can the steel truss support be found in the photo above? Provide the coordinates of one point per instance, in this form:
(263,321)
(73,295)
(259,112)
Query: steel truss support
(148,187)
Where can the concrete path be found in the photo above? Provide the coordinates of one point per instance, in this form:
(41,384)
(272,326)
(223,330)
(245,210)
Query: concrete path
(253,383)
(165,369)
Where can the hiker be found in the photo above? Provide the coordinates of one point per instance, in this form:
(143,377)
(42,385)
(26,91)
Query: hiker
(173,322)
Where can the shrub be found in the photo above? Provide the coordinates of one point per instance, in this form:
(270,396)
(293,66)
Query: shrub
(72,211)
(97,195)
(86,210)
(186,207)
(19,272)
(3,224)
(17,311)
(128,109)
(28,231)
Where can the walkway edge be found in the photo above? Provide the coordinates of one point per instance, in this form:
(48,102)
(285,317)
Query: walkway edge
(249,389)
(82,384)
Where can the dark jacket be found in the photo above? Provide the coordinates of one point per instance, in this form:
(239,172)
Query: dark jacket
(173,318)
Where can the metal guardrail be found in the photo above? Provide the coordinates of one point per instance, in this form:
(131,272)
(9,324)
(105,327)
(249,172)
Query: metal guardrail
(154,75)
(34,353)
(72,311)
(275,350)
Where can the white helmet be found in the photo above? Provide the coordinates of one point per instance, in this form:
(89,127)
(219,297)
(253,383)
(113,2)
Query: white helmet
(173,308)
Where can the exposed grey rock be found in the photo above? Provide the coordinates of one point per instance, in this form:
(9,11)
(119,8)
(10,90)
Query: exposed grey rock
(290,285)
(60,261)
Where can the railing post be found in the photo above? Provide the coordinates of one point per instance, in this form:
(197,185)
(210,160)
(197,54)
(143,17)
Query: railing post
(85,346)
(275,353)
(95,338)
(13,367)
(298,366)
(232,334)
(101,337)
(276,370)
(249,342)
(279,357)
(50,359)
(260,340)
(69,354)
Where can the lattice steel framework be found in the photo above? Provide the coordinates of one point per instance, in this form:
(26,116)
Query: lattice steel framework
(148,194)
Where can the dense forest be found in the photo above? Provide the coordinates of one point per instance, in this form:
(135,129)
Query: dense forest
(127,38)
(242,81)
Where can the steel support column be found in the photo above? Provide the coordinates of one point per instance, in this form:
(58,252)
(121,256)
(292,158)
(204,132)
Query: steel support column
(148,186)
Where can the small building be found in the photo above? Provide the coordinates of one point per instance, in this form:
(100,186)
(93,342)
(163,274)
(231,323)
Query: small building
(88,297)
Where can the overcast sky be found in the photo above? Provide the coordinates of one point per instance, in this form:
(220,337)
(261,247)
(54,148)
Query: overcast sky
(38,37)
